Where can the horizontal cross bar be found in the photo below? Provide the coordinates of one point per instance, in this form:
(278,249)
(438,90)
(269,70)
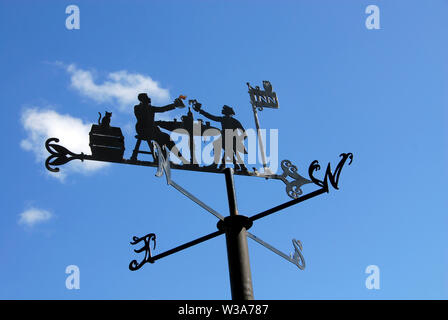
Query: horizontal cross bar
(187,245)
(196,200)
(188,167)
(287,204)
(293,259)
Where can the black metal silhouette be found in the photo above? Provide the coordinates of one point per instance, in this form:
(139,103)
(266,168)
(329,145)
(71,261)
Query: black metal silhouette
(104,122)
(296,258)
(263,98)
(134,265)
(260,99)
(60,152)
(59,155)
(146,127)
(332,176)
(293,188)
(107,144)
(239,221)
(229,125)
(192,128)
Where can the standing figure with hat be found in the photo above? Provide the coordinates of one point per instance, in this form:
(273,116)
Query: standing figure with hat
(227,123)
(147,129)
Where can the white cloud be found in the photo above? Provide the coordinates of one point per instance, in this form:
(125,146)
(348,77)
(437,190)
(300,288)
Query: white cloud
(41,124)
(120,87)
(33,216)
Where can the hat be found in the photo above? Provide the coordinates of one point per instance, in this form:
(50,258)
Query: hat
(143,97)
(226,110)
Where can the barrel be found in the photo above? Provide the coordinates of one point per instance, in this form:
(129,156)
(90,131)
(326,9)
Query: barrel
(106,143)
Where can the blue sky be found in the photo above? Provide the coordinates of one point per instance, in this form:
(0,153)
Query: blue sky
(380,94)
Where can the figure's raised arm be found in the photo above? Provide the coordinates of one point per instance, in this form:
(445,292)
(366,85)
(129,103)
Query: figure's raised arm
(168,107)
(176,104)
(210,116)
(197,106)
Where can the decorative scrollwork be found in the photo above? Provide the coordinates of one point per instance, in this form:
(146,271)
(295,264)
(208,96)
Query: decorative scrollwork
(135,265)
(329,176)
(263,98)
(59,155)
(163,164)
(297,258)
(293,188)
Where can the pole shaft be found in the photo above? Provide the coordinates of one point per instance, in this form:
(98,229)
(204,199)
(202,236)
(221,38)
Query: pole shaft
(237,250)
(260,140)
(231,195)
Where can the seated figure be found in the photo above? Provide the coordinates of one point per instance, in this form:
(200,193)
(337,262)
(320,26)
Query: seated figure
(146,128)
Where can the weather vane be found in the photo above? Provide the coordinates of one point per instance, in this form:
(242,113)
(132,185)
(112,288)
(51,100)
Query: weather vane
(107,145)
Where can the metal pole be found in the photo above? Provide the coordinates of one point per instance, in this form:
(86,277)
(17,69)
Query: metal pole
(260,140)
(235,227)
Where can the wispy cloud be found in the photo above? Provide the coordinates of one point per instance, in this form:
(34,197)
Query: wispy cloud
(41,124)
(120,87)
(34,216)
